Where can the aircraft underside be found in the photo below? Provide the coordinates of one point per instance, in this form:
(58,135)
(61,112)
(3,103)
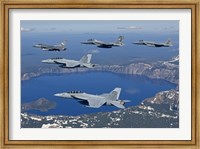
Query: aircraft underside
(104,46)
(64,66)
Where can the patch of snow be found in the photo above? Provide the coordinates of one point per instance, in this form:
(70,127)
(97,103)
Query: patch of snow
(48,118)
(54,125)
(72,120)
(68,127)
(170,108)
(170,96)
(36,118)
(169,116)
(84,125)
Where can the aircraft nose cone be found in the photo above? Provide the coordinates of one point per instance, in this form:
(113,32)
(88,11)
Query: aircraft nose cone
(44,61)
(36,46)
(58,95)
(65,95)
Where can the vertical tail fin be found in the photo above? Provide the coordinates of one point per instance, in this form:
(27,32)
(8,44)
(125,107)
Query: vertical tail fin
(120,39)
(63,43)
(86,58)
(168,42)
(115,94)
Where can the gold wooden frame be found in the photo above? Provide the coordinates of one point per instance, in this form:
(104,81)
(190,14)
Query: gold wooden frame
(127,4)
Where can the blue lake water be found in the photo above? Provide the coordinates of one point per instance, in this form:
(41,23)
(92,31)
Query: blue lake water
(135,88)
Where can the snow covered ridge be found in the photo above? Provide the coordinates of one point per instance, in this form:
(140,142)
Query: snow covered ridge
(165,97)
(160,111)
(176,58)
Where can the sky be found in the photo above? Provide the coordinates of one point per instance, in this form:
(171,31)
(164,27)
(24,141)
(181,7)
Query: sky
(99,26)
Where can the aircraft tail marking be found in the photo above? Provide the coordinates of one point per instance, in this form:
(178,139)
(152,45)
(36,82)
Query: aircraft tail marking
(63,43)
(114,95)
(86,58)
(120,39)
(168,42)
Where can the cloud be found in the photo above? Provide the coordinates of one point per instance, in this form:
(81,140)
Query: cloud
(95,51)
(169,28)
(132,91)
(53,28)
(27,29)
(130,27)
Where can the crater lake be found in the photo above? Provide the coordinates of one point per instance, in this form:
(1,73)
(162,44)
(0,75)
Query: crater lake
(134,87)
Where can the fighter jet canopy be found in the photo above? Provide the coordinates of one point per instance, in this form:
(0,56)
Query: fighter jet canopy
(74,92)
(90,39)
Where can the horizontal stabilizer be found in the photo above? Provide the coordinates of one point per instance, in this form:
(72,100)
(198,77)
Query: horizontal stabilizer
(88,65)
(93,106)
(117,104)
(126,101)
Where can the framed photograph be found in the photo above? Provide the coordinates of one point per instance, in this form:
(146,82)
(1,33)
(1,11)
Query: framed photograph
(106,73)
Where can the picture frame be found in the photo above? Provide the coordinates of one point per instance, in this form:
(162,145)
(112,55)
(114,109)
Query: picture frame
(6,6)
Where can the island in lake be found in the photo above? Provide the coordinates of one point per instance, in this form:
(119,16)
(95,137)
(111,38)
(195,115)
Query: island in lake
(41,104)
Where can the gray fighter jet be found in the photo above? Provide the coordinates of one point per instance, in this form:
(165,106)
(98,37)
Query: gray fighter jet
(66,63)
(96,101)
(47,47)
(168,43)
(102,44)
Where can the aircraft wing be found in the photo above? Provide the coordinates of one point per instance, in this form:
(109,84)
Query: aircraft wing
(96,103)
(104,44)
(49,47)
(150,45)
(45,47)
(71,64)
(158,45)
(93,101)
(153,44)
(58,47)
